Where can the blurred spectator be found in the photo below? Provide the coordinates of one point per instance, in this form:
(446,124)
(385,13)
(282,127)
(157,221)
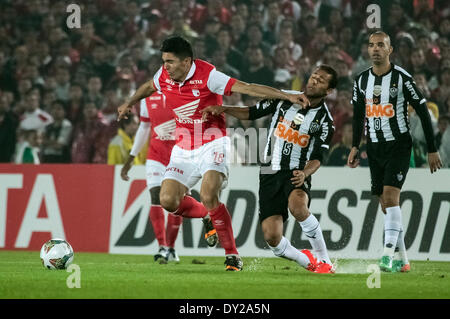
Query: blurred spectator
(257,72)
(422,84)
(442,93)
(363,61)
(286,41)
(302,74)
(419,63)
(272,16)
(120,146)
(344,75)
(339,152)
(444,150)
(254,38)
(202,13)
(8,126)
(181,27)
(62,84)
(219,60)
(405,46)
(443,124)
(342,113)
(93,94)
(27,150)
(55,147)
(34,118)
(91,137)
(234,57)
(74,107)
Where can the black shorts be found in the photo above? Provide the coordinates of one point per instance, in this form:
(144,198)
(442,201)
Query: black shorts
(274,191)
(389,163)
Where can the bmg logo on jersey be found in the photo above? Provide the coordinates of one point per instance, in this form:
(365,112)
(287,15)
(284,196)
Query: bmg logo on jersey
(380,110)
(291,136)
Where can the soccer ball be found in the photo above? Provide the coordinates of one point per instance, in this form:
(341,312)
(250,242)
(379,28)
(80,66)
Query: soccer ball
(56,254)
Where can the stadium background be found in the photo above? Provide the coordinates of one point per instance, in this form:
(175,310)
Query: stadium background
(60,87)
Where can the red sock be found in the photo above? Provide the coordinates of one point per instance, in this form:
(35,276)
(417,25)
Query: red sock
(157,219)
(191,208)
(173,225)
(222,222)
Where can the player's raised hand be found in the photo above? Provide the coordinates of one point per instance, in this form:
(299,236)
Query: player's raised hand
(353,160)
(299,99)
(434,161)
(123,111)
(213,110)
(299,178)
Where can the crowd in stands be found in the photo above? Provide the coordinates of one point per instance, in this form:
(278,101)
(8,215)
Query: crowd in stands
(60,87)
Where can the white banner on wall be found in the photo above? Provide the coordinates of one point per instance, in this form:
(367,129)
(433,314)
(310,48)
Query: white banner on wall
(350,217)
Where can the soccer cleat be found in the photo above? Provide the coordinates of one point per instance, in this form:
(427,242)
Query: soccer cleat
(400,266)
(324,268)
(210,232)
(312,260)
(386,264)
(172,255)
(233,263)
(161,256)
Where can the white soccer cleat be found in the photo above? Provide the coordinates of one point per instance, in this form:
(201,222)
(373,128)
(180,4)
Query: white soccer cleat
(172,255)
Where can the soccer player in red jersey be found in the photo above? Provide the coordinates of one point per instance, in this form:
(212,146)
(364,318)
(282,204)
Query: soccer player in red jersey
(201,149)
(158,123)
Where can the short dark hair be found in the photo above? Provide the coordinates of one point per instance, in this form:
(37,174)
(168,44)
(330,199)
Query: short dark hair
(178,46)
(334,77)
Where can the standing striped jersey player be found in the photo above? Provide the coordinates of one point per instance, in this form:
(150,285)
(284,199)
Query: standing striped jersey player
(381,96)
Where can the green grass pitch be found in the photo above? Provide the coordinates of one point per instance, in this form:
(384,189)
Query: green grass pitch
(135,276)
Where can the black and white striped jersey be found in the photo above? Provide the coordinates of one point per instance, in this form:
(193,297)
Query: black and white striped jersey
(382,100)
(295,135)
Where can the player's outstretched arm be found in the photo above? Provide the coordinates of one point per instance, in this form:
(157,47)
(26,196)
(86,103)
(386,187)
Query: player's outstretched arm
(268,92)
(240,112)
(144,90)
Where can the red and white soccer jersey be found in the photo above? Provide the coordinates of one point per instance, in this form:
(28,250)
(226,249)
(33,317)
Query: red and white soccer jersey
(154,110)
(203,86)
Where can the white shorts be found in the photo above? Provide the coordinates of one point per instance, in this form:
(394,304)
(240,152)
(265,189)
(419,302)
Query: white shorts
(188,166)
(154,171)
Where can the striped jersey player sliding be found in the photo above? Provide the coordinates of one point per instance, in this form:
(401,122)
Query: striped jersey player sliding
(296,143)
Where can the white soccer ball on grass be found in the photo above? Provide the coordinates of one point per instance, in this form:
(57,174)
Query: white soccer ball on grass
(56,254)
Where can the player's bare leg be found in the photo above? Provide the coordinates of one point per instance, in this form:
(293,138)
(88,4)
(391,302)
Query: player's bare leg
(174,199)
(394,253)
(157,219)
(272,228)
(209,195)
(298,206)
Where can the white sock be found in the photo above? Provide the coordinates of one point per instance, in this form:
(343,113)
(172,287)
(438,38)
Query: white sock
(392,227)
(400,250)
(285,250)
(312,230)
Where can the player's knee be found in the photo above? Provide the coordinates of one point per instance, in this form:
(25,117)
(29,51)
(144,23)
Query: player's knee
(168,202)
(272,239)
(299,210)
(209,199)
